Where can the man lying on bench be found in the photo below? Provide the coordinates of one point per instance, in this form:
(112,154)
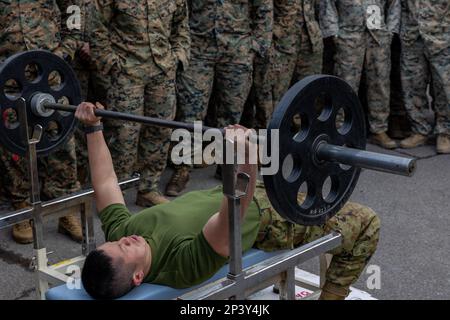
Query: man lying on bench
(183,243)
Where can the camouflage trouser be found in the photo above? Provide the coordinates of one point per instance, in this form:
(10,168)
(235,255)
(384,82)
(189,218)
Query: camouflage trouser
(355,51)
(358,225)
(272,78)
(134,146)
(418,64)
(309,59)
(261,96)
(57,172)
(275,77)
(94,87)
(194,88)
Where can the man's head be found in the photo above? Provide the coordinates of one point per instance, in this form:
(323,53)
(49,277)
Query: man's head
(114,268)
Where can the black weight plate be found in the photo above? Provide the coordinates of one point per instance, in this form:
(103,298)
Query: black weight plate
(14,68)
(308,113)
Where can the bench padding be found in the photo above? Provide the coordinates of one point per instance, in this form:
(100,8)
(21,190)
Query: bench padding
(148,291)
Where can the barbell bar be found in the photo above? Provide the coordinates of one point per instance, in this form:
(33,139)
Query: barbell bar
(325,152)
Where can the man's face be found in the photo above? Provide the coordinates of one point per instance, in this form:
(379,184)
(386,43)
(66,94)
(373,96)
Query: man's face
(131,249)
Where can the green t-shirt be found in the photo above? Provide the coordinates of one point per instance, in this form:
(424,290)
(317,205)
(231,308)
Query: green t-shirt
(181,256)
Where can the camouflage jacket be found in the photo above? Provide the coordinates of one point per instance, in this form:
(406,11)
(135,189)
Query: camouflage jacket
(36,24)
(308,14)
(132,32)
(427,18)
(359,15)
(230,27)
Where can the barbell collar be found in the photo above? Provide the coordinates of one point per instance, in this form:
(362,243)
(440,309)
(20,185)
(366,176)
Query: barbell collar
(366,159)
(38,103)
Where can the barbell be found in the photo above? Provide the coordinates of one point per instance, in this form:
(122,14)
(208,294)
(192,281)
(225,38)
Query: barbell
(320,121)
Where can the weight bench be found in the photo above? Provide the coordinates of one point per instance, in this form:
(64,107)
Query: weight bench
(148,291)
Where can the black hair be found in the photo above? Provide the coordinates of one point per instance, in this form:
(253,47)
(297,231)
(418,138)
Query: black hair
(102,279)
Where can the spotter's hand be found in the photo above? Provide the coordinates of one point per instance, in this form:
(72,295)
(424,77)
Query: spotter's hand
(85,113)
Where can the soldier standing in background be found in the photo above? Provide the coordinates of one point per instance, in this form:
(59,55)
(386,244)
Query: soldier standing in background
(226,36)
(94,86)
(425,38)
(362,32)
(29,25)
(310,46)
(139,45)
(296,52)
(272,74)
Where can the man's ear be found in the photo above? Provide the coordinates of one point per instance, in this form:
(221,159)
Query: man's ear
(138,277)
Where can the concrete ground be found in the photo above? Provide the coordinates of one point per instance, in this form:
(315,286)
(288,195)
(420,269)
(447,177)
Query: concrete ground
(412,257)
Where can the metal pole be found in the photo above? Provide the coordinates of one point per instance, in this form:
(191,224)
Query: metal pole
(366,159)
(40,251)
(234,221)
(132,117)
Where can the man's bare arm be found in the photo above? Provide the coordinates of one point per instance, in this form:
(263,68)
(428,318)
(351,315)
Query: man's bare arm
(104,179)
(216,230)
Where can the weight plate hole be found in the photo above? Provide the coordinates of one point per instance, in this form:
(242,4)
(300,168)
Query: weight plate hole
(53,131)
(12,89)
(305,195)
(323,106)
(33,73)
(300,127)
(330,189)
(55,80)
(64,100)
(291,168)
(343,121)
(10,119)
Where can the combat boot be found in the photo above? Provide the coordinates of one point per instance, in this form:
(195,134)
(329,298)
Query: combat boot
(413,141)
(22,232)
(325,295)
(383,140)
(331,291)
(178,181)
(71,226)
(443,144)
(150,199)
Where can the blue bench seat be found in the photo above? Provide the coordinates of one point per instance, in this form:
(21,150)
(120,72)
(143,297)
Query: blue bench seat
(148,291)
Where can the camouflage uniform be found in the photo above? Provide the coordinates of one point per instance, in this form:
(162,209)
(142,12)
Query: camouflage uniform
(273,75)
(139,44)
(296,52)
(94,87)
(27,25)
(310,46)
(358,225)
(425,39)
(363,32)
(225,37)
